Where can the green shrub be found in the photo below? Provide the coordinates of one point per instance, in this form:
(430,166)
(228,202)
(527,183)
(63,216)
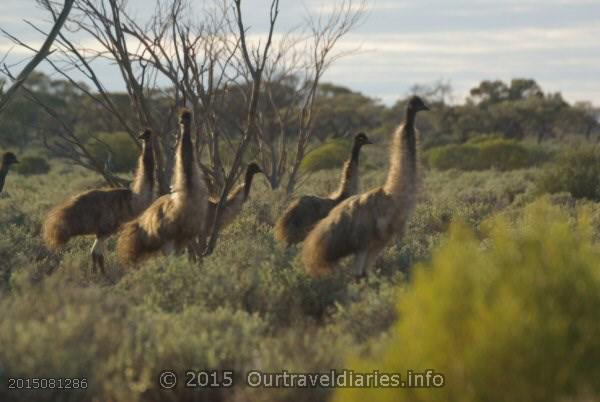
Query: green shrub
(494,153)
(453,156)
(32,165)
(576,172)
(514,320)
(118,148)
(327,156)
(479,138)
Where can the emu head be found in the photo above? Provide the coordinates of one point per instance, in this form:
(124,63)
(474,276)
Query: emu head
(416,104)
(9,158)
(361,139)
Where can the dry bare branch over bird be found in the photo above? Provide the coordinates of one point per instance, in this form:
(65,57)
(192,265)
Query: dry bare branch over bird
(102,211)
(174,219)
(8,159)
(38,57)
(233,206)
(363,224)
(235,200)
(303,214)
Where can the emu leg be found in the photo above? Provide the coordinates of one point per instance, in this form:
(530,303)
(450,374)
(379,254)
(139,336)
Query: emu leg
(196,248)
(370,261)
(168,248)
(359,266)
(98,250)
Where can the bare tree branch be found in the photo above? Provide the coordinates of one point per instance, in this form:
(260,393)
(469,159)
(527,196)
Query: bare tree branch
(39,56)
(256,72)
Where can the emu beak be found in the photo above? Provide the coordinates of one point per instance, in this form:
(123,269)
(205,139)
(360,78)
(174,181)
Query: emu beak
(16,161)
(369,142)
(425,107)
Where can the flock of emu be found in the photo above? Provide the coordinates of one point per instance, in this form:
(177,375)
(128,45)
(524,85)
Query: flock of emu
(344,223)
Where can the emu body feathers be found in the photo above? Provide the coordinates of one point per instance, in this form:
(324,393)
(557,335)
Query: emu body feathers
(300,217)
(99,212)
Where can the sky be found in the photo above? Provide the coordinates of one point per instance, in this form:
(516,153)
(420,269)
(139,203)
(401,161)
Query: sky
(402,43)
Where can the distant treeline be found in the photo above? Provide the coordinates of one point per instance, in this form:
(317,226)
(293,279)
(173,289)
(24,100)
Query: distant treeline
(516,110)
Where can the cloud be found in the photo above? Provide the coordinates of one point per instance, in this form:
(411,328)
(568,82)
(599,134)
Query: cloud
(405,42)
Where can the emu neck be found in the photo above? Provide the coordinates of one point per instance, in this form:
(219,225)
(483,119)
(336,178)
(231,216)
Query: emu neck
(355,152)
(183,179)
(409,118)
(349,181)
(402,175)
(3,172)
(247,184)
(144,176)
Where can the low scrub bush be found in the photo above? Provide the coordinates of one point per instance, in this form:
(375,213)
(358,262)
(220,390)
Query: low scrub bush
(454,156)
(479,138)
(576,172)
(32,165)
(514,320)
(494,153)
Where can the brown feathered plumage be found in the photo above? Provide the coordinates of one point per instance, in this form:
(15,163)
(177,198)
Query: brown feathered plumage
(102,211)
(304,213)
(173,219)
(363,224)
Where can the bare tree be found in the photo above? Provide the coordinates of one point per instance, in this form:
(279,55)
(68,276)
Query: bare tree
(295,69)
(255,60)
(176,59)
(325,32)
(39,55)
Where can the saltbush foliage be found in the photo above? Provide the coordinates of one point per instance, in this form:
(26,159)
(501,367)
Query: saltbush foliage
(499,154)
(32,165)
(516,319)
(576,172)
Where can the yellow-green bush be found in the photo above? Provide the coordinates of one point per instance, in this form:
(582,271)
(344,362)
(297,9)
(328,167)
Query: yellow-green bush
(494,153)
(118,147)
(512,318)
(576,172)
(327,156)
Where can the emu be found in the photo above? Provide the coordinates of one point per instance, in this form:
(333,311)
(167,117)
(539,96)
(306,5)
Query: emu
(174,219)
(102,211)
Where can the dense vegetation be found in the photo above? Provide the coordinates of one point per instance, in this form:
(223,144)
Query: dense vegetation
(251,306)
(491,286)
(517,318)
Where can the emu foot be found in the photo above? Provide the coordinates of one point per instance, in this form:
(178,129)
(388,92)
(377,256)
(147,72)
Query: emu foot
(98,261)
